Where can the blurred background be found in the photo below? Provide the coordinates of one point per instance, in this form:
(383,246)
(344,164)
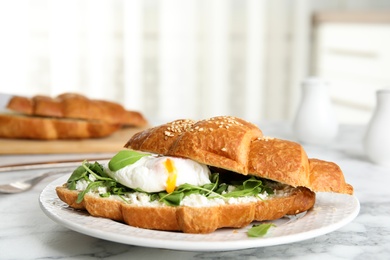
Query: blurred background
(198,58)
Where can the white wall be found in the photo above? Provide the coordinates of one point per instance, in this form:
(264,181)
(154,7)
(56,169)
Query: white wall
(169,58)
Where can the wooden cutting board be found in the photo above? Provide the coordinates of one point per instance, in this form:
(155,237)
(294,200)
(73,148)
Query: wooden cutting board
(113,143)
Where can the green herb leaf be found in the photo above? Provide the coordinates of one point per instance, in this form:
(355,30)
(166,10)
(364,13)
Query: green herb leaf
(251,186)
(78,174)
(172,199)
(260,230)
(90,186)
(124,158)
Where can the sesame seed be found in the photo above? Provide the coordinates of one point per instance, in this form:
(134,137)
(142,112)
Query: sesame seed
(168,134)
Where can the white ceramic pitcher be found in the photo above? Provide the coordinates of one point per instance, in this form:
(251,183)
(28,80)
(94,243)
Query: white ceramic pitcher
(377,137)
(315,121)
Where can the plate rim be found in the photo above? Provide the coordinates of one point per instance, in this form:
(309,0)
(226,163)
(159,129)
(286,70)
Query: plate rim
(184,245)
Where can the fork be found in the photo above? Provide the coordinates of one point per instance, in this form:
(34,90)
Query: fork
(27,184)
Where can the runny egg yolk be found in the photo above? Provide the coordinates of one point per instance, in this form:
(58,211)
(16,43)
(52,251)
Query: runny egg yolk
(172,175)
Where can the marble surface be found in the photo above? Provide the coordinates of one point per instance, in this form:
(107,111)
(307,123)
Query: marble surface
(27,233)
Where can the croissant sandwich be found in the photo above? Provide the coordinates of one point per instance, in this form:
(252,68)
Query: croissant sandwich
(197,177)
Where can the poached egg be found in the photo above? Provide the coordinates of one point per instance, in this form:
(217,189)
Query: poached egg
(155,174)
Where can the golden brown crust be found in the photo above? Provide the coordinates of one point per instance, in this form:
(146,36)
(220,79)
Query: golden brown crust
(192,219)
(158,218)
(45,106)
(27,127)
(134,118)
(21,104)
(279,160)
(333,181)
(100,207)
(71,105)
(287,162)
(219,141)
(69,197)
(159,139)
(233,144)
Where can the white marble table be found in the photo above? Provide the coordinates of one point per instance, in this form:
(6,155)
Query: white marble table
(27,233)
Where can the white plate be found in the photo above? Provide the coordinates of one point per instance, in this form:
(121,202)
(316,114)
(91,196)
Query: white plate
(331,212)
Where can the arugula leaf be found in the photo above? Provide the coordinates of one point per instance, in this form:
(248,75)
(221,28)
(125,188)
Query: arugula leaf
(124,158)
(260,230)
(251,186)
(97,171)
(90,186)
(172,199)
(78,174)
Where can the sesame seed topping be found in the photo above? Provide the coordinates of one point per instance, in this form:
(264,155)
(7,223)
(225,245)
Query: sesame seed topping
(167,133)
(178,127)
(266,138)
(225,121)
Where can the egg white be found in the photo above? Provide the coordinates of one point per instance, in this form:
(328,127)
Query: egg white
(150,173)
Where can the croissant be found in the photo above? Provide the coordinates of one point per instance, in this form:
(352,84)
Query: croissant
(67,116)
(235,149)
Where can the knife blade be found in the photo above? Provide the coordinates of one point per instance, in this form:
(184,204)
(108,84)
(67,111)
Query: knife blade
(47,164)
